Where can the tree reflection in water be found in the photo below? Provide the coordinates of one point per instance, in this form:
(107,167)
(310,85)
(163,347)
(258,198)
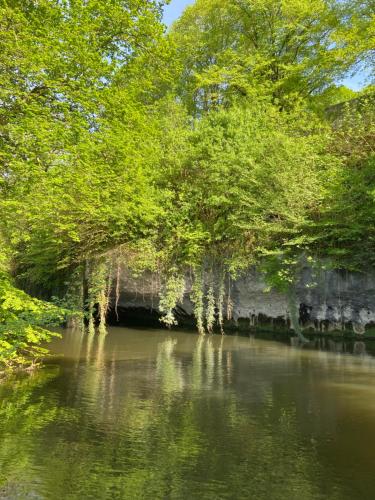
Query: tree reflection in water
(186,417)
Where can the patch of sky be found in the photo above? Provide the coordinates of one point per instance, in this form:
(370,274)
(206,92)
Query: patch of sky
(174,10)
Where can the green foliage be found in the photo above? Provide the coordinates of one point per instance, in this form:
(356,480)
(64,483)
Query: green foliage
(79,136)
(357,37)
(219,145)
(344,229)
(287,49)
(24,321)
(23,326)
(251,180)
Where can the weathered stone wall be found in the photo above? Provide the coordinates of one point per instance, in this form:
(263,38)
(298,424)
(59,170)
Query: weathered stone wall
(327,300)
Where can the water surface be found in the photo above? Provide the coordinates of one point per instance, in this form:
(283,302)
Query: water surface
(158,415)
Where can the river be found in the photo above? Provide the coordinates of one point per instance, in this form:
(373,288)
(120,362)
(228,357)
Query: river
(149,414)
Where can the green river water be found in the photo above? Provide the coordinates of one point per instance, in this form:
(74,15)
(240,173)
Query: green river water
(170,415)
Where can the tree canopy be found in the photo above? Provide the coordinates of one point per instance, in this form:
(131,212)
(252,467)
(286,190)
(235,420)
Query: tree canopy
(288,49)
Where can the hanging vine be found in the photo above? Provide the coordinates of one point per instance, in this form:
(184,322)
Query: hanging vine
(197,296)
(171,294)
(99,289)
(220,302)
(229,301)
(117,289)
(210,309)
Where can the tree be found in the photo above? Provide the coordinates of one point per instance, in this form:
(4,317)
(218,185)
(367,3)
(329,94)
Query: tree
(287,49)
(356,37)
(344,229)
(23,321)
(78,129)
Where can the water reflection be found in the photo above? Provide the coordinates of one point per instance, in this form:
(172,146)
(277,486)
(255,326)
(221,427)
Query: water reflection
(149,414)
(356,347)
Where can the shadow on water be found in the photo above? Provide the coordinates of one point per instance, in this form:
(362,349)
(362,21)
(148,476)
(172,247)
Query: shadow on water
(154,414)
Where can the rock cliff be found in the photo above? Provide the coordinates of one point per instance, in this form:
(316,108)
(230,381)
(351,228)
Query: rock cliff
(327,300)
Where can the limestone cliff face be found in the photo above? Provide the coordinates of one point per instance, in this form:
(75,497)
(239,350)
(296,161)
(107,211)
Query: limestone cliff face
(327,300)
